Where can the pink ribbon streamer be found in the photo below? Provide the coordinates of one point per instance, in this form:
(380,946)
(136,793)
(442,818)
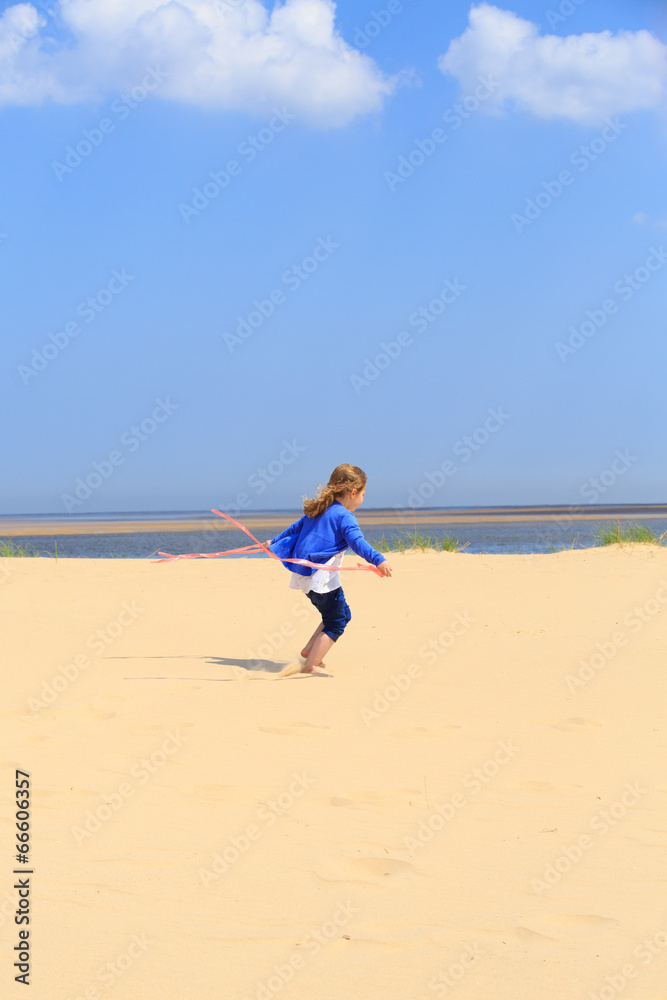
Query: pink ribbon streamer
(257,548)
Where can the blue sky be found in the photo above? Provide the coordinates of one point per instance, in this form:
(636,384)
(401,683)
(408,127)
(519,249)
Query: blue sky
(314,245)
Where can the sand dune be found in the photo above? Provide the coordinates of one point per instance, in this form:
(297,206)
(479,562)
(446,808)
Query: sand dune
(475,804)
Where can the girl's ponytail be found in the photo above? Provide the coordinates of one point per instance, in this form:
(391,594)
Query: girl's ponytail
(343,479)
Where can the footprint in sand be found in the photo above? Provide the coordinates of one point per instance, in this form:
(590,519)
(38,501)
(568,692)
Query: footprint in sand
(568,725)
(528,936)
(371,870)
(519,936)
(295,673)
(582,919)
(361,800)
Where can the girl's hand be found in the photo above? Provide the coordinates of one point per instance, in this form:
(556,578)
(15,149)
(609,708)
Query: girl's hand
(267,543)
(385,568)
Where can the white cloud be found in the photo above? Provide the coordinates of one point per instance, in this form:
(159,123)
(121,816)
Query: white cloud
(642,219)
(231,54)
(583,78)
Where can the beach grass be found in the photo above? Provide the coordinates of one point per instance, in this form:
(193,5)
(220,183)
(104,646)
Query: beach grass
(450,543)
(618,533)
(408,541)
(565,547)
(9,549)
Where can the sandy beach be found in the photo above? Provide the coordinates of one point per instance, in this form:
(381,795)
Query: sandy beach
(474,805)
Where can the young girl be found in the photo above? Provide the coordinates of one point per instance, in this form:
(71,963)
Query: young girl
(327,528)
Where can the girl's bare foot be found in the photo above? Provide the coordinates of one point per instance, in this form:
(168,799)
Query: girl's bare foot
(298,668)
(316,670)
(303,658)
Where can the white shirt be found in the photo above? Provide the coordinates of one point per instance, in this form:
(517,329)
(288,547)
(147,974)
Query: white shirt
(322,581)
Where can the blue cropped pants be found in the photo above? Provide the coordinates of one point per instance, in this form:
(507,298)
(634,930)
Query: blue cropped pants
(334,610)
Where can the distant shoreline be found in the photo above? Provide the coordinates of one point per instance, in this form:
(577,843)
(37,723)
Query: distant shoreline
(112,524)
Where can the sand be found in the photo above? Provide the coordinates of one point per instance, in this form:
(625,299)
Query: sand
(475,804)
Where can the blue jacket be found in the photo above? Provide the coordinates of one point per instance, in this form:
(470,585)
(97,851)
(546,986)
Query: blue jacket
(319,538)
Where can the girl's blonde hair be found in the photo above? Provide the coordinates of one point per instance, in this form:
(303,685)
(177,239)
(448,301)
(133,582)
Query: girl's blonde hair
(343,479)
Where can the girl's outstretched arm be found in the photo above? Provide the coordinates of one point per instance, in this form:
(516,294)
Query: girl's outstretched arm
(353,535)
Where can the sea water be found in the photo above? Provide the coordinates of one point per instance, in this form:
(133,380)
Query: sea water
(493,530)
